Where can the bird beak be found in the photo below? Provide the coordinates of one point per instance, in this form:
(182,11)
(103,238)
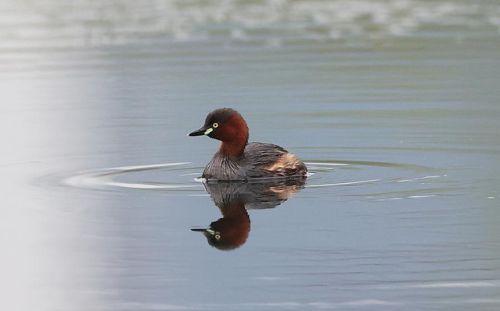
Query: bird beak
(198,230)
(202,131)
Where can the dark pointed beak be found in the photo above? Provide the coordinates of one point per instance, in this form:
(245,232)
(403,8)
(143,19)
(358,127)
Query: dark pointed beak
(199,132)
(198,230)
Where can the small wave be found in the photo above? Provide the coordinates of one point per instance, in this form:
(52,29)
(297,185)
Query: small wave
(470,284)
(422,196)
(444,285)
(420,178)
(346,183)
(361,179)
(320,305)
(105,178)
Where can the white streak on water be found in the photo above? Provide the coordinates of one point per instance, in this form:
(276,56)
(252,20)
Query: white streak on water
(268,278)
(421,196)
(436,285)
(144,167)
(419,178)
(458,284)
(326,164)
(149,306)
(349,183)
(143,186)
(368,302)
(390,199)
(103,178)
(318,305)
(484,300)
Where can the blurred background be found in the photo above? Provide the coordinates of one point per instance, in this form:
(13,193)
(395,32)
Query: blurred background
(393,104)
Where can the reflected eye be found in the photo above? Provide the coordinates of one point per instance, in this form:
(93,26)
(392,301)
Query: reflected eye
(215,125)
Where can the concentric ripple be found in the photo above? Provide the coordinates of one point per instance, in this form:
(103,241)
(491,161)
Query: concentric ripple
(143,177)
(375,180)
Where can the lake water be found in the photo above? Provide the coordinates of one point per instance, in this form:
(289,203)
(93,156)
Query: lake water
(394,106)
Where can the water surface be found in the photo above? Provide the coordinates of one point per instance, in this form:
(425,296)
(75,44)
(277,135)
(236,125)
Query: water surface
(394,105)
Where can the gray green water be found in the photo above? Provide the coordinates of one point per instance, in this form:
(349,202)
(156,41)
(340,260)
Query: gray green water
(395,106)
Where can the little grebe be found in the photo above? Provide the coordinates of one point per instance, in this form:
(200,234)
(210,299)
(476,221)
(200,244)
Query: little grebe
(237,159)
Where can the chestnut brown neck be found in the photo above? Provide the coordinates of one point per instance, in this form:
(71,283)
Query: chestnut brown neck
(234,137)
(232,149)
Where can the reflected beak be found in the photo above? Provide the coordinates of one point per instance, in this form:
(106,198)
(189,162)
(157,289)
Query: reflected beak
(209,233)
(207,230)
(202,131)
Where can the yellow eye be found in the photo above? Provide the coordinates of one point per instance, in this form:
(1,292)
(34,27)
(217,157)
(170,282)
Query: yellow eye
(215,125)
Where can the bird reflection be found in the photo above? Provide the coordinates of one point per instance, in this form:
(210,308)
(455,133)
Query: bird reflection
(233,199)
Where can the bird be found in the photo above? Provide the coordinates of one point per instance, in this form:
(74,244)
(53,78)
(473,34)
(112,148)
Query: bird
(238,160)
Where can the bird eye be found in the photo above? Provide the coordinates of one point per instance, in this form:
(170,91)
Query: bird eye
(217,236)
(215,125)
